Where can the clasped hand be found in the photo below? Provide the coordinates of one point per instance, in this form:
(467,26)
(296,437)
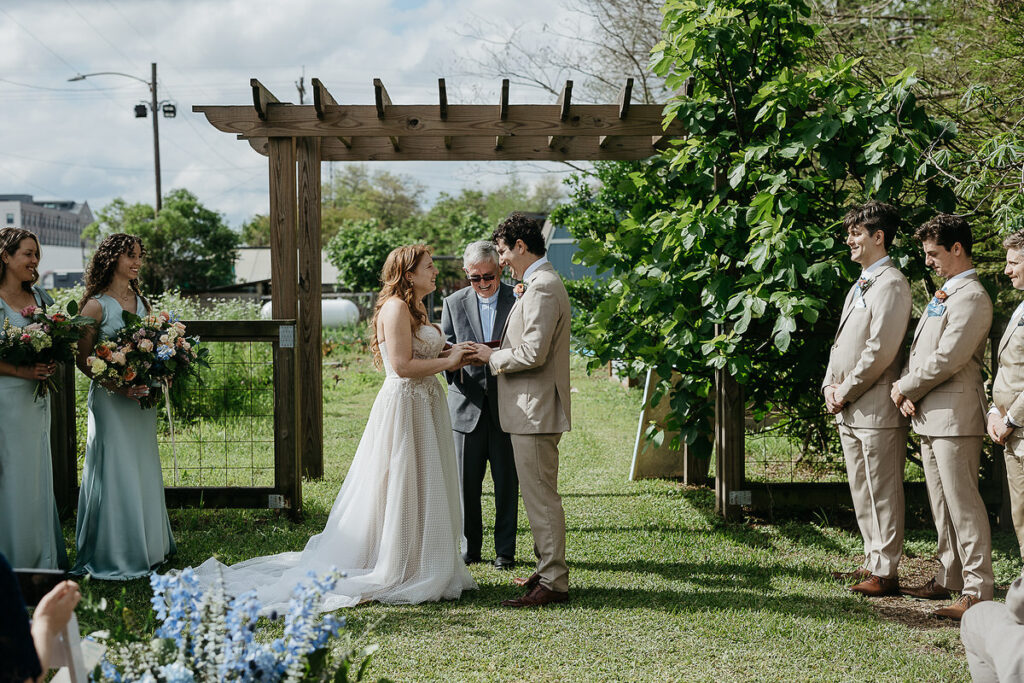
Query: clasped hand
(998,430)
(38,371)
(906,406)
(467,353)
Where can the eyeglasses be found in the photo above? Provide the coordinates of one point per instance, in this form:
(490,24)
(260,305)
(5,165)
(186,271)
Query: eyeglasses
(478,278)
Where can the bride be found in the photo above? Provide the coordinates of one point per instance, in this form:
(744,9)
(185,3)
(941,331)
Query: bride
(396,526)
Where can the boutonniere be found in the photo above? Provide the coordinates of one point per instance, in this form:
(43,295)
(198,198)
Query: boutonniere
(865,284)
(941,296)
(519,289)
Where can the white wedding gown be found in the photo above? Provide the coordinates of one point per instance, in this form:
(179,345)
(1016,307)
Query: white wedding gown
(396,524)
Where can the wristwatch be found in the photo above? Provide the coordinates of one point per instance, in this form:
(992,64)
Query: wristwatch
(1009,423)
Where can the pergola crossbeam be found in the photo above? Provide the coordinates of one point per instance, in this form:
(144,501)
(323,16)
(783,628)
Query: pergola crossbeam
(321,99)
(261,98)
(442,109)
(564,101)
(499,141)
(382,102)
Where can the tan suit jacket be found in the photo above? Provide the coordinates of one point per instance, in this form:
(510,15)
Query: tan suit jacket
(532,364)
(867,355)
(1008,387)
(943,374)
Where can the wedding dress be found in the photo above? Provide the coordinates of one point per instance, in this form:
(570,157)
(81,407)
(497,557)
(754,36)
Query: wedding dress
(396,525)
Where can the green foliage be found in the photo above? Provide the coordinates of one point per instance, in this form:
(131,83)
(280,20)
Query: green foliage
(256,231)
(358,251)
(188,246)
(737,224)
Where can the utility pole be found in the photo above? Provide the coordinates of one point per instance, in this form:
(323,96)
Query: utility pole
(300,85)
(156,140)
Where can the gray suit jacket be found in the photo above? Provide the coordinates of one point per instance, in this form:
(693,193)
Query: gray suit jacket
(470,387)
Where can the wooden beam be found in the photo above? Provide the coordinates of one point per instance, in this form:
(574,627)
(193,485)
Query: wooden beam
(660,142)
(382,102)
(64,441)
(310,360)
(261,97)
(625,98)
(425,121)
(484,149)
(503,113)
(730,444)
(442,110)
(321,100)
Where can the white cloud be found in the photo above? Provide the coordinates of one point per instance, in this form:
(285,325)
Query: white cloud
(81,140)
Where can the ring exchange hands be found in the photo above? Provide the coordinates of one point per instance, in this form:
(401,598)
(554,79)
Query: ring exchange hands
(906,406)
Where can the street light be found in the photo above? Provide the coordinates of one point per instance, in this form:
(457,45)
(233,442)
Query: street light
(167,108)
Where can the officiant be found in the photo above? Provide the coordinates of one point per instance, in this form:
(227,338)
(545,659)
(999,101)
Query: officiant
(477,313)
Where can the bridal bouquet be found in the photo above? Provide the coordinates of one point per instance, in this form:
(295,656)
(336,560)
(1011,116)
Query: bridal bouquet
(153,351)
(205,636)
(47,338)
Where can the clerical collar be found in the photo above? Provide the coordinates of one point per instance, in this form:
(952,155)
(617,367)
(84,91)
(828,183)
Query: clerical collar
(488,300)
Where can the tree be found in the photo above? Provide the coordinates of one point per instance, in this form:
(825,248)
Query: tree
(737,225)
(256,231)
(358,251)
(188,246)
(358,193)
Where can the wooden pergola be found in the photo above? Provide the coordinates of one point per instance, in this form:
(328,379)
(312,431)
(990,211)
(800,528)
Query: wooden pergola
(296,138)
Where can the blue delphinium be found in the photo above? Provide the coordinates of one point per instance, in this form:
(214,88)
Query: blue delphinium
(203,636)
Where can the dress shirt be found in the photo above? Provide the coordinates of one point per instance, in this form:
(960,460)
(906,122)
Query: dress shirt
(534,266)
(488,311)
(866,273)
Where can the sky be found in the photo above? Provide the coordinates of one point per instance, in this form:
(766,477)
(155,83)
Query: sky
(81,141)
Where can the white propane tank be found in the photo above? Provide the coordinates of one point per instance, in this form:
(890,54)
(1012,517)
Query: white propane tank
(333,312)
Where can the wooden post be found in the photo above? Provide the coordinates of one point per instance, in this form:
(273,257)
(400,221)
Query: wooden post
(284,303)
(730,446)
(64,441)
(311,419)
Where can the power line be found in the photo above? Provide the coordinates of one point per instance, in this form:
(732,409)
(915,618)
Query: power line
(72,164)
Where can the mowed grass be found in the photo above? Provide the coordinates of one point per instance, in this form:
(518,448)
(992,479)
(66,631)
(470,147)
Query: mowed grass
(661,590)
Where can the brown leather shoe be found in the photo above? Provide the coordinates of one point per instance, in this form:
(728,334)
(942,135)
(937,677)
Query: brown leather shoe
(858,574)
(929,591)
(529,583)
(877,587)
(537,597)
(957,609)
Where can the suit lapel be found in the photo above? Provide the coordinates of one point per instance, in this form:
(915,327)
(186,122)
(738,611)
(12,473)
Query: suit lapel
(472,310)
(847,309)
(505,301)
(1011,327)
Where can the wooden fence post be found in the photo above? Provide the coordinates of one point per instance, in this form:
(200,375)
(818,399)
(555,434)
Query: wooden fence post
(64,441)
(730,446)
(310,371)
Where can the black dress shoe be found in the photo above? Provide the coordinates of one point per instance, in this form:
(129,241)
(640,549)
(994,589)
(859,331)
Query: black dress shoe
(502,562)
(471,559)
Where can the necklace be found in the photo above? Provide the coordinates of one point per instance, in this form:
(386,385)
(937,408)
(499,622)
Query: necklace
(127,296)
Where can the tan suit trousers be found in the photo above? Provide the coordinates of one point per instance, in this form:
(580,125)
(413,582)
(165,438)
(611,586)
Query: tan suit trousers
(1013,453)
(875,461)
(536,458)
(961,521)
(994,643)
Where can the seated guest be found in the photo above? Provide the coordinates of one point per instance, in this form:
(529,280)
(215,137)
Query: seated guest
(993,636)
(1007,412)
(26,647)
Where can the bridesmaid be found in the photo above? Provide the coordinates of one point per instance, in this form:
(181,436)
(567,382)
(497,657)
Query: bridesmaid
(123,530)
(30,534)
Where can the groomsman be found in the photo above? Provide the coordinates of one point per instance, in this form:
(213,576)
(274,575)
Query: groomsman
(864,362)
(477,313)
(993,638)
(1007,412)
(942,391)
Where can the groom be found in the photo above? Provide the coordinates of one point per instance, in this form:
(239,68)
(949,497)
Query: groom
(532,366)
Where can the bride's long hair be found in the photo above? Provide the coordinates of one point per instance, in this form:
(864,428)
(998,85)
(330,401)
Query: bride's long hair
(393,282)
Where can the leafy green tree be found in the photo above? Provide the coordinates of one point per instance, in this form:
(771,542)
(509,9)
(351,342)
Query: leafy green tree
(358,251)
(188,246)
(357,193)
(738,224)
(256,231)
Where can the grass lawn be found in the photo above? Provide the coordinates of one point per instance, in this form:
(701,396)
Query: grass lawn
(661,590)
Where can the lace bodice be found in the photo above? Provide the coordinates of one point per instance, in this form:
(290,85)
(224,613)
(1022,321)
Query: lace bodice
(426,343)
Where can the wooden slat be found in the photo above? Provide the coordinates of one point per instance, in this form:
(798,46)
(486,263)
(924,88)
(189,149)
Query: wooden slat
(660,142)
(625,98)
(261,97)
(236,330)
(283,264)
(425,121)
(442,110)
(287,456)
(483,149)
(321,99)
(499,140)
(383,104)
(310,398)
(564,102)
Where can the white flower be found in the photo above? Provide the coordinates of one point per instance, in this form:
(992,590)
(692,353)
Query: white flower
(97,366)
(118,357)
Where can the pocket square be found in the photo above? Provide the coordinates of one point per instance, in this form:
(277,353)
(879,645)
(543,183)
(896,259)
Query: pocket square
(936,309)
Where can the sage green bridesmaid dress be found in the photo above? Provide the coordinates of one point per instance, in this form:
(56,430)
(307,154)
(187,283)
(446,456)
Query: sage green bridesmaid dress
(30,535)
(123,531)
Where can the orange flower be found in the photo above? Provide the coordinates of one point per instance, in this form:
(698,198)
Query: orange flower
(940,295)
(103,352)
(129,375)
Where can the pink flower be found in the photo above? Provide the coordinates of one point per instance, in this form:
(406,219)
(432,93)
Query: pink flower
(29,311)
(145,345)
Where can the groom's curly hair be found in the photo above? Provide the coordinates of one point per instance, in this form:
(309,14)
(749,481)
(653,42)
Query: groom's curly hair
(517,227)
(393,283)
